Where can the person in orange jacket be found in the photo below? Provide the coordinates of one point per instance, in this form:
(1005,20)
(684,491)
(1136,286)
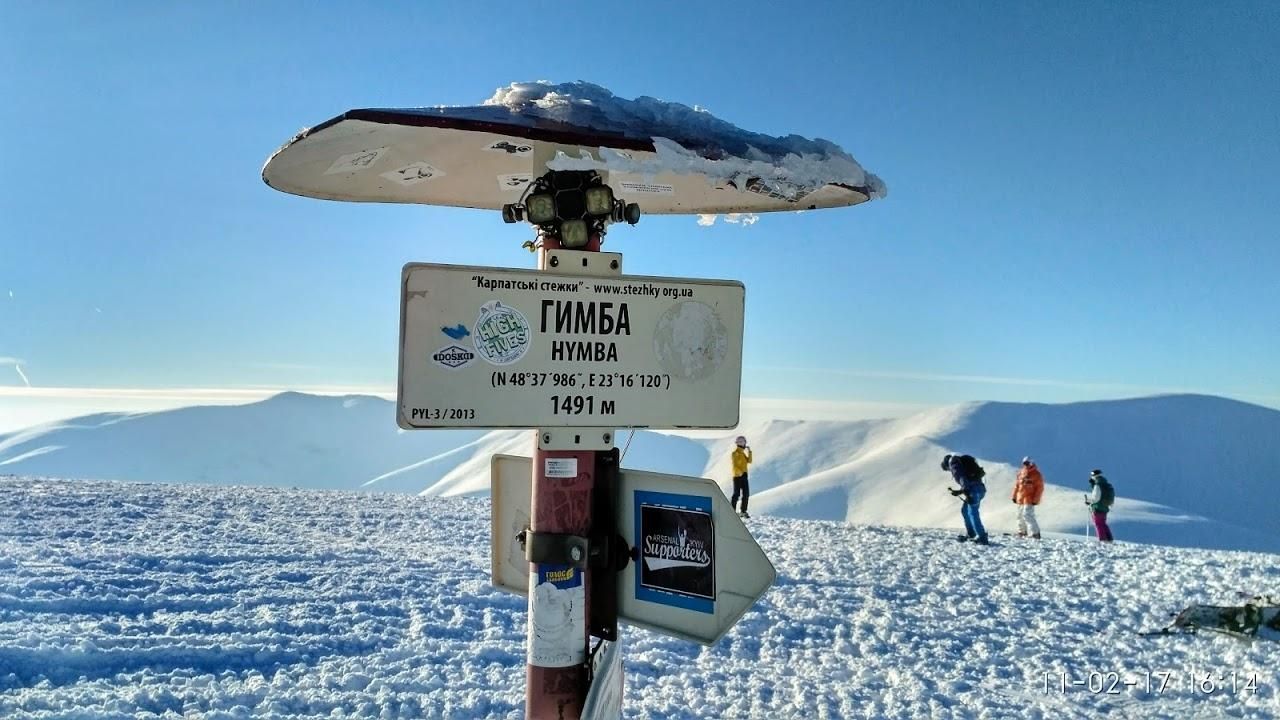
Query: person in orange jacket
(1027,490)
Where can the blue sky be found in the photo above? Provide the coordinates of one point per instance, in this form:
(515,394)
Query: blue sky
(1082,200)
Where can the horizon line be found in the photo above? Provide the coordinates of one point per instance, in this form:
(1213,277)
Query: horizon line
(251,393)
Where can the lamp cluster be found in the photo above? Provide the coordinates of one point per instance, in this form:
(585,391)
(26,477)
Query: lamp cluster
(571,205)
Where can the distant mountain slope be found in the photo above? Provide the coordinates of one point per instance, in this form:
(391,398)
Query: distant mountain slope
(290,439)
(1208,455)
(1189,470)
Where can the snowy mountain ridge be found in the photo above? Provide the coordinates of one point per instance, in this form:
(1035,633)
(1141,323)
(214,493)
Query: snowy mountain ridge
(1189,470)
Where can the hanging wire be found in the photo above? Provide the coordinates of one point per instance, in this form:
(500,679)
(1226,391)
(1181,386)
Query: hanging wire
(624,447)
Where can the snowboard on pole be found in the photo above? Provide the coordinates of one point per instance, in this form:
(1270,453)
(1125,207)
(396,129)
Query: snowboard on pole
(487,157)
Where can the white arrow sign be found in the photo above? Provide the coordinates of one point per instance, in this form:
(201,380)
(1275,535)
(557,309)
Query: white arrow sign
(699,568)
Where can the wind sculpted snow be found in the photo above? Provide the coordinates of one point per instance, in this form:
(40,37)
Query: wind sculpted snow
(136,601)
(687,139)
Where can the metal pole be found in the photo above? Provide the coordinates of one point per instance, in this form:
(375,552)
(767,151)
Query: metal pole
(558,642)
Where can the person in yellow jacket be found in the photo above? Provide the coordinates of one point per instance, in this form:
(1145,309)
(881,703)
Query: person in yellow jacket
(1027,491)
(741,459)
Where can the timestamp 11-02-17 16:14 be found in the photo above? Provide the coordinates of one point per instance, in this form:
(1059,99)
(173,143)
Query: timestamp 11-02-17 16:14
(1111,682)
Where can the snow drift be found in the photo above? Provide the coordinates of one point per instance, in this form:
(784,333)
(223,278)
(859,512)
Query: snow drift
(122,601)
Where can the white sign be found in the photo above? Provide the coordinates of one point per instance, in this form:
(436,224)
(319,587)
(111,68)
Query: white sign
(699,571)
(494,347)
(604,696)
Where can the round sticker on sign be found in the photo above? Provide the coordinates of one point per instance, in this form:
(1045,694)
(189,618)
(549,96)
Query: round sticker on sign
(502,334)
(690,340)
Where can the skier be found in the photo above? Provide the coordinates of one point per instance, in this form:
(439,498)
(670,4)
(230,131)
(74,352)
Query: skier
(1099,500)
(741,459)
(968,475)
(1027,490)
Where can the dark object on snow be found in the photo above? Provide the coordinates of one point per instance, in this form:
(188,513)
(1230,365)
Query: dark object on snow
(1257,618)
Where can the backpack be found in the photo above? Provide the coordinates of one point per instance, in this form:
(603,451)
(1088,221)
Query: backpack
(1108,494)
(971,469)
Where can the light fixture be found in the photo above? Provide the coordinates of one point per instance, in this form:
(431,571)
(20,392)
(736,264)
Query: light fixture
(599,200)
(541,208)
(571,206)
(573,233)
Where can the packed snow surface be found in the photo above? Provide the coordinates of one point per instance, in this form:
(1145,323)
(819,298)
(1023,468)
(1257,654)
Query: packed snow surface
(686,139)
(134,601)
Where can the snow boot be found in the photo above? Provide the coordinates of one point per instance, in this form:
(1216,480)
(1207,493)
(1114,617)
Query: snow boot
(963,538)
(982,541)
(1036,536)
(743,514)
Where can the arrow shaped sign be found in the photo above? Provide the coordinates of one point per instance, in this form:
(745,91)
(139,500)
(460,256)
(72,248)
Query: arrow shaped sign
(699,568)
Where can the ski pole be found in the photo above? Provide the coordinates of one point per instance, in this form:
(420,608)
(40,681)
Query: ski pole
(1089,521)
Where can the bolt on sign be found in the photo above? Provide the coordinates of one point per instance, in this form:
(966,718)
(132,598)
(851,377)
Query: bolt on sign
(495,347)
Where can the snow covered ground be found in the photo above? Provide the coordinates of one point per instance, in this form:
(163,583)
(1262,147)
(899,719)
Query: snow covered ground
(137,601)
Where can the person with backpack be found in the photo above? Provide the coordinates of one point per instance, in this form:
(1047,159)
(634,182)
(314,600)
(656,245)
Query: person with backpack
(741,459)
(1027,491)
(1100,499)
(968,474)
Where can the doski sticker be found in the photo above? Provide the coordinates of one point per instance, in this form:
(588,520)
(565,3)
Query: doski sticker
(453,357)
(502,334)
(413,173)
(356,161)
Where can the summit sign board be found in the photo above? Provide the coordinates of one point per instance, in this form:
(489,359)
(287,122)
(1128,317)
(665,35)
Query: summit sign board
(501,348)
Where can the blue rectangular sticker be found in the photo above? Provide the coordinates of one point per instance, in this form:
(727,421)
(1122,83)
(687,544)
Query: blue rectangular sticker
(677,542)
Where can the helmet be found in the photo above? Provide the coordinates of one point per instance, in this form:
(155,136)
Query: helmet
(1026,460)
(946,462)
(740,441)
(1095,473)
